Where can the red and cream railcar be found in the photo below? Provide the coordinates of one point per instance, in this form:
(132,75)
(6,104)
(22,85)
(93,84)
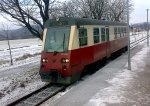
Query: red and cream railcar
(70,44)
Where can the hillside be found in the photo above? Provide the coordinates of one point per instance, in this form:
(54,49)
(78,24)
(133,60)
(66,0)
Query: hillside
(21,33)
(141,25)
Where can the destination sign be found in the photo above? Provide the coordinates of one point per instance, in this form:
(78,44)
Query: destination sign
(59,23)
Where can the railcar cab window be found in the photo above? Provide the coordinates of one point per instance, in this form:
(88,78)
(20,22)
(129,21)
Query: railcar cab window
(57,39)
(103,32)
(96,35)
(82,37)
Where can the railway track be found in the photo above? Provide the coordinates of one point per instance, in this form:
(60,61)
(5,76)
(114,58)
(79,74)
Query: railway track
(135,43)
(39,96)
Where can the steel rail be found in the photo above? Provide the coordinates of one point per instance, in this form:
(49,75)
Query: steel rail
(39,96)
(134,44)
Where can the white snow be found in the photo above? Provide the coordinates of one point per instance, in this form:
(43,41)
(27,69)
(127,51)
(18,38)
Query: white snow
(114,93)
(23,55)
(20,43)
(136,36)
(18,84)
(22,77)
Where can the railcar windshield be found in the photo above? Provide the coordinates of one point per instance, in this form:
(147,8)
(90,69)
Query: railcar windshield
(57,39)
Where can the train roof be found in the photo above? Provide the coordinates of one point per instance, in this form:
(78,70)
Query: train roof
(80,21)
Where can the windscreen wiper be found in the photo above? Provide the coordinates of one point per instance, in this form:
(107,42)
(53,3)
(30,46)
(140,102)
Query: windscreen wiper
(64,42)
(55,53)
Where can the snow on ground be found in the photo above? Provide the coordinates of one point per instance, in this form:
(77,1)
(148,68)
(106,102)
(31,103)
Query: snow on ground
(136,36)
(22,77)
(32,49)
(115,94)
(19,43)
(15,86)
(19,63)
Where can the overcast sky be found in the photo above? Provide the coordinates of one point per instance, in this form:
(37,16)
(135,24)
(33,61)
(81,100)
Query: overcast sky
(138,15)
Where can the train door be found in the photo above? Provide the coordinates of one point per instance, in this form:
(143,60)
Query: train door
(83,43)
(108,43)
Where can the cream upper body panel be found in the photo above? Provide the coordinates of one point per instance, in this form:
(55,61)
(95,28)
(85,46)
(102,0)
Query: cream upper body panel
(111,33)
(44,37)
(74,39)
(89,35)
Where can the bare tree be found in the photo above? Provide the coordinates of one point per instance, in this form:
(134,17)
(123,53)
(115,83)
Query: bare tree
(118,10)
(74,8)
(114,10)
(68,9)
(97,8)
(27,13)
(85,8)
(6,31)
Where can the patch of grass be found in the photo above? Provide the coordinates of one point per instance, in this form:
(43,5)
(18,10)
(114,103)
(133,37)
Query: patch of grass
(25,56)
(36,54)
(4,62)
(22,85)
(1,95)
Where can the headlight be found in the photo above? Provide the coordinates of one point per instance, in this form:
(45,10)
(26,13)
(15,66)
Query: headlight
(65,60)
(44,60)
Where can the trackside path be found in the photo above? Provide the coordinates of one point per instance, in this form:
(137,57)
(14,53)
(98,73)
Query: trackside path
(113,85)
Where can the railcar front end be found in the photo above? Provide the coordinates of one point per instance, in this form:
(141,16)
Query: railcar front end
(57,60)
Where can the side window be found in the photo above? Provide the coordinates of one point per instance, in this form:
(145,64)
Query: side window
(115,32)
(82,36)
(122,32)
(103,32)
(107,34)
(119,32)
(96,35)
(125,30)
